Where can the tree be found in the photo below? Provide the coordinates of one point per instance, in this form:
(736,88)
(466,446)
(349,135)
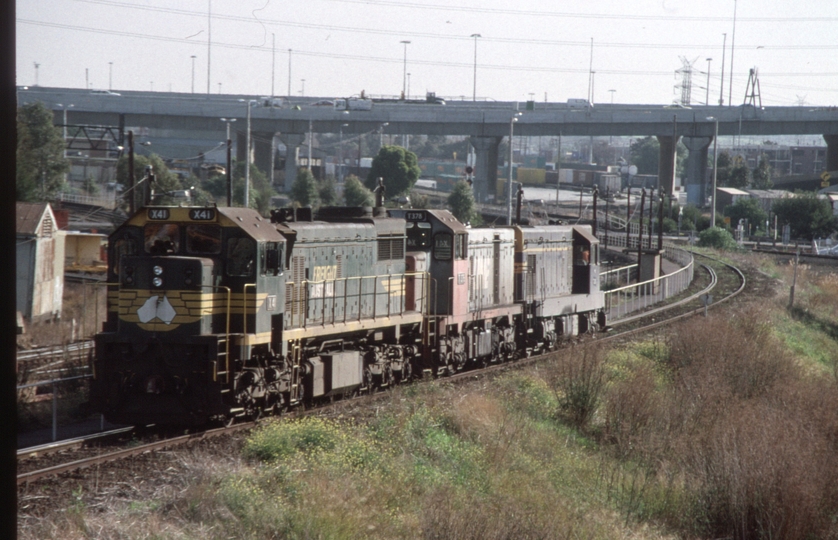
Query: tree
(260,192)
(89,186)
(725,162)
(355,194)
(41,165)
(739,174)
(304,190)
(326,192)
(398,167)
(645,154)
(164,180)
(716,237)
(808,216)
(761,175)
(461,202)
(748,209)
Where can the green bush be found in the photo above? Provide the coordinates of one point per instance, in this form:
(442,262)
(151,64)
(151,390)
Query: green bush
(279,440)
(716,237)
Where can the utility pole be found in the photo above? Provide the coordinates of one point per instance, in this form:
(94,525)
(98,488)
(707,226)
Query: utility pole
(707,98)
(289,73)
(209,44)
(722,82)
(273,62)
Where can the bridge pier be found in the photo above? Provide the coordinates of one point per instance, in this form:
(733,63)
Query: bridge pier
(485,166)
(666,162)
(292,145)
(831,152)
(697,169)
(263,154)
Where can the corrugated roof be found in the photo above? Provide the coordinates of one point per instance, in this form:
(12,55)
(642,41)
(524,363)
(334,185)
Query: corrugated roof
(29,216)
(732,191)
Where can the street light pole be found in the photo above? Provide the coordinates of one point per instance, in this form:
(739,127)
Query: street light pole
(474,95)
(250,103)
(193,73)
(381,135)
(715,170)
(110,75)
(509,181)
(229,171)
(310,137)
(707,99)
(404,75)
(340,158)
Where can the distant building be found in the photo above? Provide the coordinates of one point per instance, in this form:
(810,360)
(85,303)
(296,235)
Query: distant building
(727,196)
(767,197)
(40,262)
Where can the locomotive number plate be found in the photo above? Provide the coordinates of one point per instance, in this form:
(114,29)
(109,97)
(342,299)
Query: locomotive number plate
(158,214)
(414,216)
(202,214)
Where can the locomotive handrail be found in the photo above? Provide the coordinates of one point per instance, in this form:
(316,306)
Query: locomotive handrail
(376,279)
(226,333)
(244,320)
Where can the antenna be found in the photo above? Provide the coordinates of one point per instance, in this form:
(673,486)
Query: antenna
(686,72)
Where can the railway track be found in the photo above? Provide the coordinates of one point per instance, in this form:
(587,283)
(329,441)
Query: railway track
(724,280)
(50,353)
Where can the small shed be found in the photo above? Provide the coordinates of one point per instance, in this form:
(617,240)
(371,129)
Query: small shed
(726,196)
(40,262)
(84,253)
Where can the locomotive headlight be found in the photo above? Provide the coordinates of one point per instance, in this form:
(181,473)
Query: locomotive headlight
(158,270)
(158,282)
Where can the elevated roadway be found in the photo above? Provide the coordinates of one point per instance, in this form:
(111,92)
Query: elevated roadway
(485,122)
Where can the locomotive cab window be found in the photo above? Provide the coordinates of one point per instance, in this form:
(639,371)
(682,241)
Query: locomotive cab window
(460,246)
(203,239)
(418,236)
(241,254)
(123,246)
(443,246)
(271,259)
(162,238)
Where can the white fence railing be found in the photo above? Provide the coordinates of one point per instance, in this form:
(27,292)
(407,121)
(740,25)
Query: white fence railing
(621,301)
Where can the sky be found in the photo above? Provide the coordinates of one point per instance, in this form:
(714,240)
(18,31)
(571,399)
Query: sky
(530,49)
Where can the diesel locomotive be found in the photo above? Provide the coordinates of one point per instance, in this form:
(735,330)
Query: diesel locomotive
(218,312)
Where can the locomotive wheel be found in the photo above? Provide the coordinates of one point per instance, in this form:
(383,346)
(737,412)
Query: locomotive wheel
(368,381)
(387,377)
(407,371)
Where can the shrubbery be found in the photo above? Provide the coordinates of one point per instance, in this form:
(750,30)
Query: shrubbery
(716,237)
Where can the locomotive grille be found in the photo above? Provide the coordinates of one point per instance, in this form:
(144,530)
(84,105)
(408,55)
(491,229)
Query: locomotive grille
(390,248)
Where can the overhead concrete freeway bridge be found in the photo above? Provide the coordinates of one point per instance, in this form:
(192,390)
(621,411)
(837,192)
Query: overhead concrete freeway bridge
(485,122)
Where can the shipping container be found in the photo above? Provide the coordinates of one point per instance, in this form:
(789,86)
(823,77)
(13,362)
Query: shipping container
(531,177)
